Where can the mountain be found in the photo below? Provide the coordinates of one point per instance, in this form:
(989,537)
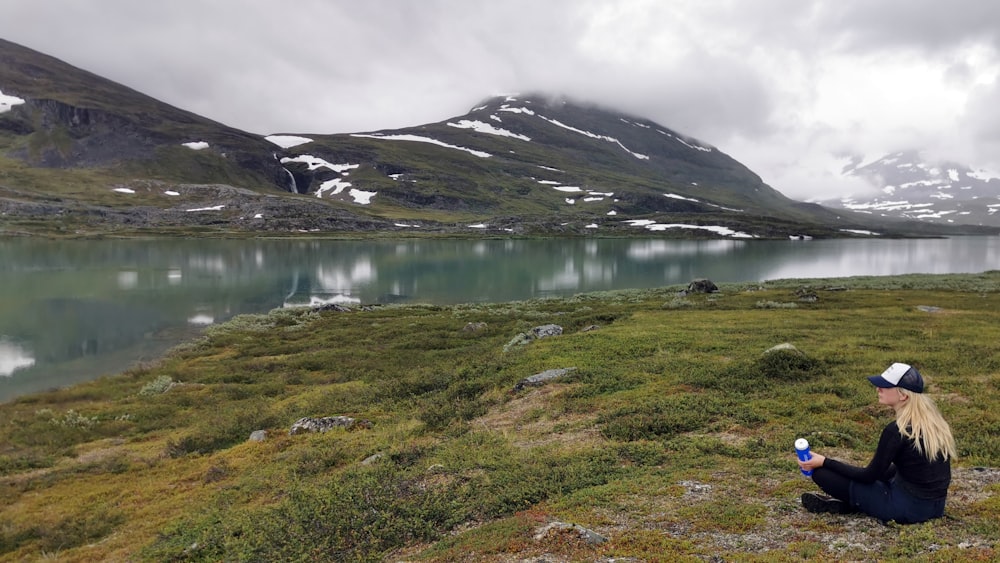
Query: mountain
(81,155)
(539,160)
(911,187)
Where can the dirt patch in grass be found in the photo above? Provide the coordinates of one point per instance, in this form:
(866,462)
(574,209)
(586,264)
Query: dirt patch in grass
(531,420)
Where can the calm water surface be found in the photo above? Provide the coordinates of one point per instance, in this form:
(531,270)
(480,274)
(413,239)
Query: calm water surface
(71,311)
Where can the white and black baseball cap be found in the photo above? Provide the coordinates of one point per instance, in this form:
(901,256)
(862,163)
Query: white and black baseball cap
(899,375)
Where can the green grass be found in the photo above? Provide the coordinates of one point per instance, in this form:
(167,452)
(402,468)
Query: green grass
(672,438)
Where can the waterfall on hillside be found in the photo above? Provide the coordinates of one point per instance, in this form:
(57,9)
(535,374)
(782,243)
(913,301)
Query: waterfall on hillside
(294,187)
(295,285)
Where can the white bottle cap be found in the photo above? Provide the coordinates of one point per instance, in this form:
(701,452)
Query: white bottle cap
(801,444)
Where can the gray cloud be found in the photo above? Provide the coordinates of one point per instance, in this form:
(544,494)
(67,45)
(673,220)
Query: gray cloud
(926,25)
(785,86)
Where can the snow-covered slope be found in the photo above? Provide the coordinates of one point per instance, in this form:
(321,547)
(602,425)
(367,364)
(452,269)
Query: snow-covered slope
(914,188)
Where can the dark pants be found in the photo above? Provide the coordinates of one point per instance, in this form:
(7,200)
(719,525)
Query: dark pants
(885,500)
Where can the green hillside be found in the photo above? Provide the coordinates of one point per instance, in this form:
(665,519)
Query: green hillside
(667,437)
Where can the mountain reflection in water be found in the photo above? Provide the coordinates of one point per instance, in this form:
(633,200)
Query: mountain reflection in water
(71,311)
(13,357)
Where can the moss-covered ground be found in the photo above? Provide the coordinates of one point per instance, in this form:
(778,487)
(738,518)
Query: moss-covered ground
(671,438)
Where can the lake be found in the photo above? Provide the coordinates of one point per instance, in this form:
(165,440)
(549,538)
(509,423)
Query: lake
(71,311)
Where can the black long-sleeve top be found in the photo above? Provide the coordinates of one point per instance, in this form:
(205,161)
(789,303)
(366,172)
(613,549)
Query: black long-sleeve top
(898,456)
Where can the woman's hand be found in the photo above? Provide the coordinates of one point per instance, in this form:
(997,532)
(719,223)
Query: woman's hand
(816,461)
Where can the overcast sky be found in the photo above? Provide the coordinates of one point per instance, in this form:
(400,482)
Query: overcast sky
(791,88)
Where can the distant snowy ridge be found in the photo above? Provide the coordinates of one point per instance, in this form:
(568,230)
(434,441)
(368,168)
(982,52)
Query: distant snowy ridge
(911,188)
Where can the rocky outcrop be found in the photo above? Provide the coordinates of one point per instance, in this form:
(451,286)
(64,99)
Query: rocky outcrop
(546,331)
(557,529)
(543,331)
(326,423)
(67,136)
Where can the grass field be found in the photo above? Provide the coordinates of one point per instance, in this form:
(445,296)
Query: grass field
(671,437)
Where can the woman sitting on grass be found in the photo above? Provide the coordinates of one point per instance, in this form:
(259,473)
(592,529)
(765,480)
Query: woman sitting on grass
(907,479)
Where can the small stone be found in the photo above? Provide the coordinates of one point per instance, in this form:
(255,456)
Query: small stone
(784,347)
(258,435)
(371,459)
(542,378)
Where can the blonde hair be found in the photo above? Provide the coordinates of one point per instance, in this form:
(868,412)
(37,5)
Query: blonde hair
(920,420)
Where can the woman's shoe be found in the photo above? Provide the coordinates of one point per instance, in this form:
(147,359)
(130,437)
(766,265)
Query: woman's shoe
(817,503)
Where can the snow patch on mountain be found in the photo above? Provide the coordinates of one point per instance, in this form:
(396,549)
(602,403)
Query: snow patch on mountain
(288,141)
(720,230)
(675,196)
(480,127)
(362,197)
(595,136)
(7,101)
(690,143)
(521,109)
(525,111)
(335,187)
(314,163)
(420,139)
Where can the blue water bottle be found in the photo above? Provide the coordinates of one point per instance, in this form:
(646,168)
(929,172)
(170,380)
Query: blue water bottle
(802,450)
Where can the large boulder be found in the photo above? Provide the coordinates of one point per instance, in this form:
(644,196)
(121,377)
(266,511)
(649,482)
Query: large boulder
(702,285)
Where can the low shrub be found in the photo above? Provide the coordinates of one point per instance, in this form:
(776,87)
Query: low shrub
(224,427)
(86,526)
(24,461)
(776,305)
(359,517)
(658,418)
(161,384)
